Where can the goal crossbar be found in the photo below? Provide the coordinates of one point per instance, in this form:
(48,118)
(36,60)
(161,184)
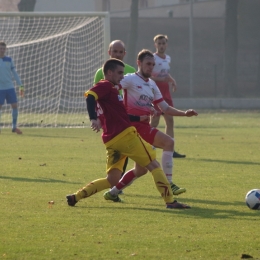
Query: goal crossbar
(105,15)
(56,55)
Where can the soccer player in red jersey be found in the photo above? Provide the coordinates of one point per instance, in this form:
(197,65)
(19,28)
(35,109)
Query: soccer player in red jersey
(140,92)
(120,139)
(116,50)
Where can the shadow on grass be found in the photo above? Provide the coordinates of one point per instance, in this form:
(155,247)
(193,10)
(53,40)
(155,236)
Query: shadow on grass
(222,209)
(223,161)
(44,180)
(186,200)
(194,212)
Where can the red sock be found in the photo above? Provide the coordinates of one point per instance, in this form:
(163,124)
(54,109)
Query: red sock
(126,180)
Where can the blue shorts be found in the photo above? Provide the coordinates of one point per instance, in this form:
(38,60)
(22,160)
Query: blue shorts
(9,95)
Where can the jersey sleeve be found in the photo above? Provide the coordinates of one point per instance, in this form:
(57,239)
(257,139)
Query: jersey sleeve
(16,77)
(100,90)
(98,76)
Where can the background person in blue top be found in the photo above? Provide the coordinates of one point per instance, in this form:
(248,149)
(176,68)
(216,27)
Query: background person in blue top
(7,90)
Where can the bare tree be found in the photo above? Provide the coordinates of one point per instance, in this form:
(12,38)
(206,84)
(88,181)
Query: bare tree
(131,43)
(26,5)
(231,45)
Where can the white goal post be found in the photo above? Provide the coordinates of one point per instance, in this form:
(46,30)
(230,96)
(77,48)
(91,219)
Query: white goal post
(56,56)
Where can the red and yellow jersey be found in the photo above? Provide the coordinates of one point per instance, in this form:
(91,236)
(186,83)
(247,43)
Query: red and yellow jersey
(114,118)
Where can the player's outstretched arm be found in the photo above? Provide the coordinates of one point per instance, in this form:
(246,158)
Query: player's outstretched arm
(166,109)
(176,112)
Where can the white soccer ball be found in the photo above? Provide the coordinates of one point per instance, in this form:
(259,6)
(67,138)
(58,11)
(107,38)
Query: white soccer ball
(253,199)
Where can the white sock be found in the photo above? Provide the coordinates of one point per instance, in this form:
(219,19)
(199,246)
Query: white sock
(167,164)
(114,191)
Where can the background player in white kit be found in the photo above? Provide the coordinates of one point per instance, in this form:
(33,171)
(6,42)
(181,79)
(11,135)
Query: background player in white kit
(164,81)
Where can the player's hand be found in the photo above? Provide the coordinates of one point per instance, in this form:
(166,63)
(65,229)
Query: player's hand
(152,110)
(173,86)
(21,91)
(95,125)
(190,112)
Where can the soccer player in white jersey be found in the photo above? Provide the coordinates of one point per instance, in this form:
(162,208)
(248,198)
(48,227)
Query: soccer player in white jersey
(140,94)
(164,81)
(7,90)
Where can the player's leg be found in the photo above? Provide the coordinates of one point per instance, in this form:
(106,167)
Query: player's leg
(0,117)
(134,149)
(94,187)
(2,100)
(144,156)
(124,170)
(12,99)
(160,181)
(114,170)
(125,166)
(128,179)
(165,142)
(14,119)
(169,125)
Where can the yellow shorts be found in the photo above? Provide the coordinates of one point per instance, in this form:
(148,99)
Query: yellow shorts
(128,144)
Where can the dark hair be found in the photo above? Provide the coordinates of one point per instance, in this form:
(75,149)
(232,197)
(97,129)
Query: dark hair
(111,64)
(143,54)
(160,37)
(2,43)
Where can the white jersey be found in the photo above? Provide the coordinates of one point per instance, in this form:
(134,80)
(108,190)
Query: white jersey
(162,66)
(139,94)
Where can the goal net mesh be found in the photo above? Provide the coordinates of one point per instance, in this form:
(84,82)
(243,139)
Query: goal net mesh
(56,58)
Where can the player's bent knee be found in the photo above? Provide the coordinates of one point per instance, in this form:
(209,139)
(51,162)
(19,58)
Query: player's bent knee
(153,165)
(168,143)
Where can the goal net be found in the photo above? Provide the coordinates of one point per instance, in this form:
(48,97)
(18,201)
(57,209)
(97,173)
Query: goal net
(56,56)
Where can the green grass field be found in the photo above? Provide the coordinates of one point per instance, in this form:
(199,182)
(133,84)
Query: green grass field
(43,164)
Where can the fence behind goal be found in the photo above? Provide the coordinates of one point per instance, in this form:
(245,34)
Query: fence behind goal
(56,56)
